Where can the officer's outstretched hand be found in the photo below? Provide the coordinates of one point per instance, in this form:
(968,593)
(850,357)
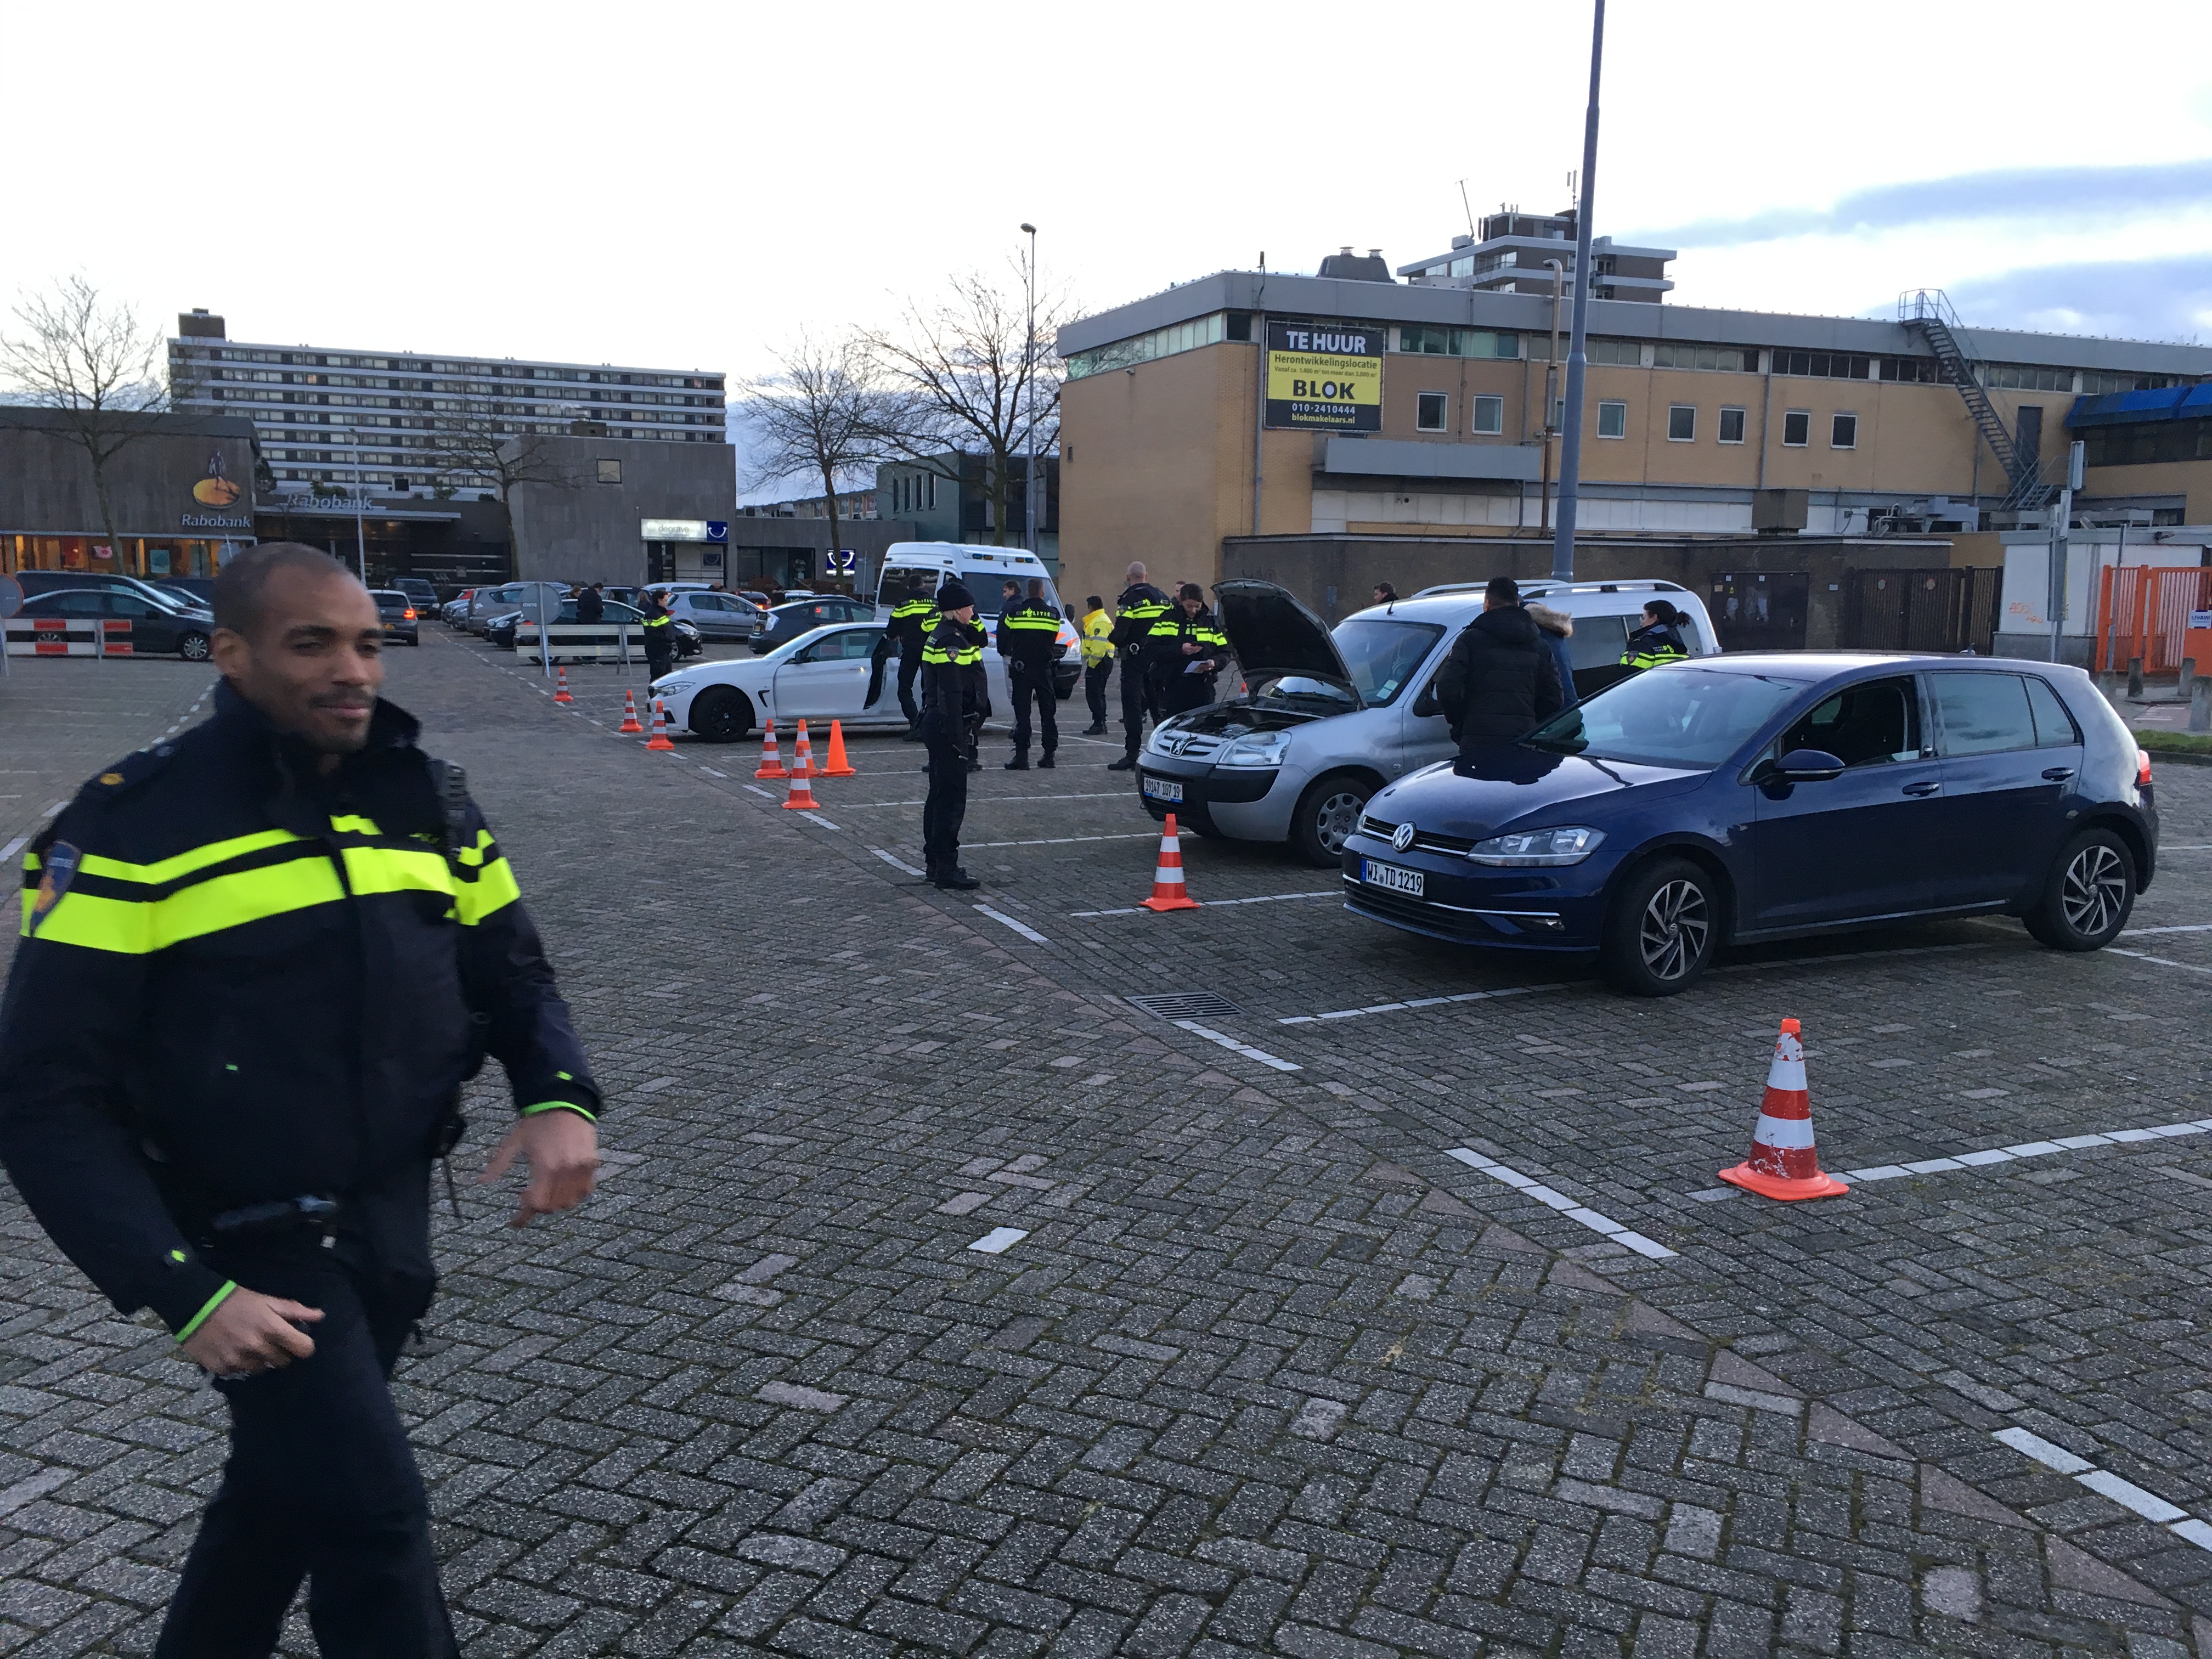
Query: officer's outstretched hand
(249,1332)
(564,1152)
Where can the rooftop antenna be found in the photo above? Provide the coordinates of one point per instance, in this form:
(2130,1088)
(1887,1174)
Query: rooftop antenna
(1469,206)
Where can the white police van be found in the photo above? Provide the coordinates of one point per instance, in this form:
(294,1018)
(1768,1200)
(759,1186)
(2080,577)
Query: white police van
(984,571)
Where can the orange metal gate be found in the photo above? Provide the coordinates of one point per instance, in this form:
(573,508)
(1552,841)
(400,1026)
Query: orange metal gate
(2144,611)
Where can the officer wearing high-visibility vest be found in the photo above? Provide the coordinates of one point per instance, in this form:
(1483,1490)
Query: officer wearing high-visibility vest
(1657,640)
(1185,650)
(952,699)
(1028,640)
(1140,606)
(1097,631)
(910,625)
(259,961)
(660,629)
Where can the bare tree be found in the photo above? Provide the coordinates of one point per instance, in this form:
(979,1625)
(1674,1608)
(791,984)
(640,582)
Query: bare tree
(962,372)
(823,414)
(94,365)
(485,444)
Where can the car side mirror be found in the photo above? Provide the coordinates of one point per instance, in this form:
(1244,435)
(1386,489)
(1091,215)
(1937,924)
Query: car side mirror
(1808,766)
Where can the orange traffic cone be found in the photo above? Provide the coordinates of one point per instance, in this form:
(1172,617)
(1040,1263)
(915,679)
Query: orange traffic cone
(839,767)
(802,756)
(800,798)
(1782,1162)
(771,764)
(561,683)
(1167,880)
(629,713)
(659,737)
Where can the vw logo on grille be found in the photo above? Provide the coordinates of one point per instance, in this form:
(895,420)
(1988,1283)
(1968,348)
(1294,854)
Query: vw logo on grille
(1402,837)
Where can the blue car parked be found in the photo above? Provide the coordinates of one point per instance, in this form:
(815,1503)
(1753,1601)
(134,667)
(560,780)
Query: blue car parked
(1743,799)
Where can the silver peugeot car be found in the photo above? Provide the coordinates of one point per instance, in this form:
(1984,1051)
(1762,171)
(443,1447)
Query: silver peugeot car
(1327,716)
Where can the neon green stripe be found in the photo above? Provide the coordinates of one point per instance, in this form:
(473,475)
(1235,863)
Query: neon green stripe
(390,870)
(489,894)
(476,855)
(137,927)
(350,826)
(199,858)
(559,1106)
(207,1308)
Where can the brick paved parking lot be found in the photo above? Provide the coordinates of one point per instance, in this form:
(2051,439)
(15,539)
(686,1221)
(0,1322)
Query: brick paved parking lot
(1265,1368)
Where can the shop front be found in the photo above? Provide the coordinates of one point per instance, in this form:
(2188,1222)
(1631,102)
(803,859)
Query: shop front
(179,497)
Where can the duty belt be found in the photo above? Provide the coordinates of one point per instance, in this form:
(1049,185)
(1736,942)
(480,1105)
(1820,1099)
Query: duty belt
(309,1212)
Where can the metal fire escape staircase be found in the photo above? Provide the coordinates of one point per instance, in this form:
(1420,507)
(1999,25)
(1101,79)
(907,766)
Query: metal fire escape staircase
(1930,310)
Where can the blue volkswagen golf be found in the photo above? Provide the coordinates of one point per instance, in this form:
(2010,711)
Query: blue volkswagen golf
(1742,798)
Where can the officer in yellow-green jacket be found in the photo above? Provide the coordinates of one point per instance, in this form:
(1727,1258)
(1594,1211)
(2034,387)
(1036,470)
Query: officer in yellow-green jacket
(1096,629)
(259,962)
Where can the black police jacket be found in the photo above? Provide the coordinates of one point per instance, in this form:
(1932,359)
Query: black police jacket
(241,981)
(1028,636)
(953,685)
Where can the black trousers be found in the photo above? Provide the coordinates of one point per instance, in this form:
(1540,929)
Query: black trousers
(909,666)
(320,1485)
(1136,698)
(1181,693)
(1094,688)
(656,665)
(1030,685)
(947,803)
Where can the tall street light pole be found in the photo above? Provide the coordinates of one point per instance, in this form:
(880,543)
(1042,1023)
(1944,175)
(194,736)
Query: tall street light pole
(1571,452)
(1029,493)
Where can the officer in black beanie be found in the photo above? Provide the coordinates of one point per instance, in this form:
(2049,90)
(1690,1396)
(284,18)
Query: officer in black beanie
(952,695)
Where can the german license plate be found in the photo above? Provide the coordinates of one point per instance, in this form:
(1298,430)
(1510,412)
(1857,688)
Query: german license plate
(1408,882)
(1161,789)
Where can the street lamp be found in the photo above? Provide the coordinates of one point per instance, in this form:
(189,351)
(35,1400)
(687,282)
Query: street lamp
(1571,452)
(1029,495)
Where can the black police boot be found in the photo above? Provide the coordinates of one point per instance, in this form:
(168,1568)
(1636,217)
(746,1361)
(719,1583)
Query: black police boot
(1127,763)
(913,734)
(1098,730)
(1044,762)
(953,876)
(1020,761)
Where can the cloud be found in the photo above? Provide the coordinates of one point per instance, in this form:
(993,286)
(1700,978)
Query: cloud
(2108,193)
(2164,299)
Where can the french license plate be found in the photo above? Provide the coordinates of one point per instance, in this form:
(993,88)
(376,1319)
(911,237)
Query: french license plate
(1408,882)
(1161,789)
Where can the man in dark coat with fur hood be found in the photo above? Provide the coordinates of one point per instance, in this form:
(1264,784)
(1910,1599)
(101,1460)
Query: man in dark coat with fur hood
(1500,681)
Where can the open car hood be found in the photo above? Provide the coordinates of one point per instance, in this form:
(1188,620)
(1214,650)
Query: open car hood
(1271,633)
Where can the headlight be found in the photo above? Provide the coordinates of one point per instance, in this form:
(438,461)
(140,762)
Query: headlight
(671,685)
(1257,748)
(1538,847)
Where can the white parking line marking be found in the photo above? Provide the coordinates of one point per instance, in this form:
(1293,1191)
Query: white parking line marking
(2191,927)
(709,770)
(1985,1156)
(1023,928)
(1234,1047)
(897,863)
(993,800)
(1559,1201)
(55,808)
(2163,962)
(1000,1240)
(2106,1484)
(1209,904)
(12,847)
(762,792)
(1065,841)
(819,819)
(1420,1002)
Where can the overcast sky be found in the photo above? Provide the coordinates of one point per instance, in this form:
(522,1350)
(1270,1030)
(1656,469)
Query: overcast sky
(677,185)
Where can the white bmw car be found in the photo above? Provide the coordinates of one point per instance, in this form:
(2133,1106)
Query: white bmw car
(819,677)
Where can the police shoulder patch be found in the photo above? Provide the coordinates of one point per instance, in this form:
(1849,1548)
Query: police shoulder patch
(58,869)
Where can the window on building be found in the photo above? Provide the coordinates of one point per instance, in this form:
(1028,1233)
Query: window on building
(2026,377)
(1160,343)
(1920,371)
(1822,365)
(1732,426)
(1436,342)
(610,472)
(1489,413)
(1736,360)
(1627,353)
(1612,420)
(1844,432)
(1682,423)
(1796,428)
(1430,410)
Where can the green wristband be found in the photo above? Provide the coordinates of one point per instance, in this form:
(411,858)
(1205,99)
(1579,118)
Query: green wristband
(559,1106)
(207,1308)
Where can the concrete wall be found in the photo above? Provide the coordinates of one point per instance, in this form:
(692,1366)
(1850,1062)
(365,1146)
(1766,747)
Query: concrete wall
(46,481)
(588,531)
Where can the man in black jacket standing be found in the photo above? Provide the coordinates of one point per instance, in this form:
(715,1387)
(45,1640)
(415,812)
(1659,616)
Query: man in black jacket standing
(953,697)
(1139,607)
(258,963)
(1499,682)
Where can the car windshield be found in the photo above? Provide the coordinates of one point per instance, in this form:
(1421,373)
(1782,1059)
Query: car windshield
(1382,653)
(1692,718)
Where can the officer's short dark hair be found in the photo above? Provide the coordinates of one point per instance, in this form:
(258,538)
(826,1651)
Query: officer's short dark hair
(1095,603)
(1191,590)
(1012,585)
(237,598)
(1502,590)
(1036,587)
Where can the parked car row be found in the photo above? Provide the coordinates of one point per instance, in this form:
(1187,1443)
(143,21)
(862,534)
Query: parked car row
(164,617)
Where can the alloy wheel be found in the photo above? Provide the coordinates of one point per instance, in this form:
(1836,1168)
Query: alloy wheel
(1336,817)
(1673,932)
(2096,890)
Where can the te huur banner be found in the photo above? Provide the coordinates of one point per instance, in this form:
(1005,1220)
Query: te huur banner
(1324,376)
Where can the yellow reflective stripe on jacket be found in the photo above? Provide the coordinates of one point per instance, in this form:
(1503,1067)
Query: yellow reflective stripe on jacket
(390,870)
(200,857)
(475,854)
(139,926)
(489,894)
(1652,658)
(1098,638)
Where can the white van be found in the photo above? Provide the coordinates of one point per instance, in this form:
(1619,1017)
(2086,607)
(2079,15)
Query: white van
(982,571)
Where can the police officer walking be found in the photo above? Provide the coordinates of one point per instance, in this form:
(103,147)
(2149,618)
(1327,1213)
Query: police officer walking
(952,699)
(1028,639)
(1139,608)
(660,629)
(1097,631)
(1186,650)
(258,963)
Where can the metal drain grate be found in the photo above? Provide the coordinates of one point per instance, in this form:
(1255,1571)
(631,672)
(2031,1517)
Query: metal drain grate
(1188,1004)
